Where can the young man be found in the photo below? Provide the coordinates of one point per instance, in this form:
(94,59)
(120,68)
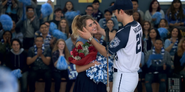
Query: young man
(157,66)
(28,27)
(44,32)
(135,8)
(108,16)
(58,16)
(16,59)
(125,45)
(97,14)
(39,59)
(89,10)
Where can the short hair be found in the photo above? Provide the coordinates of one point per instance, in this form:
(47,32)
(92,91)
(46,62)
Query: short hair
(128,12)
(39,36)
(89,6)
(42,24)
(159,39)
(17,41)
(96,1)
(9,32)
(112,3)
(107,11)
(135,1)
(28,7)
(57,9)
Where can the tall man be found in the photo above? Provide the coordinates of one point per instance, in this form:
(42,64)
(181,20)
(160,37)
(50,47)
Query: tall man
(125,45)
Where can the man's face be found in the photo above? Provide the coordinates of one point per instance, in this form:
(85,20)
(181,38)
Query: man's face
(96,6)
(107,15)
(58,14)
(158,44)
(117,14)
(39,42)
(89,10)
(43,29)
(135,5)
(30,13)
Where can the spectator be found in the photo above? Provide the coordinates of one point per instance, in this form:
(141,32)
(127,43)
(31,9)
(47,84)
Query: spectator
(159,67)
(5,44)
(149,44)
(60,49)
(39,60)
(89,10)
(178,65)
(135,8)
(110,25)
(28,27)
(163,24)
(108,15)
(64,27)
(16,33)
(97,14)
(68,7)
(16,59)
(58,16)
(171,43)
(154,7)
(112,3)
(137,17)
(9,7)
(176,14)
(146,29)
(44,32)
(70,42)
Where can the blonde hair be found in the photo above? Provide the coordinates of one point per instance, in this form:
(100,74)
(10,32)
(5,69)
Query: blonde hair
(66,51)
(66,28)
(79,22)
(180,49)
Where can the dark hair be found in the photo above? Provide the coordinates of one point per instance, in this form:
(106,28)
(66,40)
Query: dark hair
(128,12)
(135,1)
(150,7)
(17,41)
(11,5)
(171,11)
(58,9)
(159,39)
(96,1)
(39,36)
(165,22)
(28,7)
(112,3)
(89,6)
(107,11)
(149,39)
(179,33)
(65,9)
(42,24)
(9,32)
(140,19)
(143,27)
(46,22)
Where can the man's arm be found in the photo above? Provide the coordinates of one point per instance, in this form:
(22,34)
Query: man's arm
(30,60)
(46,60)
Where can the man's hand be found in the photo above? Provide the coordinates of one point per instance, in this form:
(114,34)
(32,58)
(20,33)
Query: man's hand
(84,34)
(32,18)
(99,29)
(39,52)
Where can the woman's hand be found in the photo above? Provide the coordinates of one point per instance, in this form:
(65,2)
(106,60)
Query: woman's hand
(95,63)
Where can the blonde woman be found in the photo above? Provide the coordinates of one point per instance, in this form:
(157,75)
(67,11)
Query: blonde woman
(84,83)
(60,49)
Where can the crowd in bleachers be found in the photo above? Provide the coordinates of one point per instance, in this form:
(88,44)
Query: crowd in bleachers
(31,47)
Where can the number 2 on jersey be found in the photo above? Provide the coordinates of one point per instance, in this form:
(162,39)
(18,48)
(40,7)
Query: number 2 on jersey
(138,44)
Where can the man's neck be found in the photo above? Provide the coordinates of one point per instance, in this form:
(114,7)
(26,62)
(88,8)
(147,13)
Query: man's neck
(157,51)
(16,52)
(58,18)
(95,11)
(127,20)
(44,35)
